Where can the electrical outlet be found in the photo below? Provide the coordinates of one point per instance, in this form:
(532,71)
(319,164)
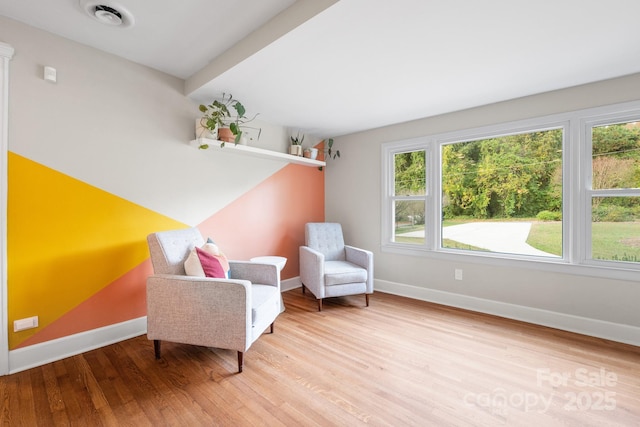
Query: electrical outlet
(458,274)
(28,323)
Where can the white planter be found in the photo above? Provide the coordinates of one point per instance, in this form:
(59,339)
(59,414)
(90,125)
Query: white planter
(295,150)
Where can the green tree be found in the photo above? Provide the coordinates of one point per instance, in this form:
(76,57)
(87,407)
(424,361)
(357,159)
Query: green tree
(503,177)
(615,164)
(410,180)
(459,165)
(621,140)
(616,156)
(410,173)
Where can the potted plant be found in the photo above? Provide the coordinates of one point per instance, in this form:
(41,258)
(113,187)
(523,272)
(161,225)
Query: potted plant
(218,116)
(311,153)
(329,152)
(296,145)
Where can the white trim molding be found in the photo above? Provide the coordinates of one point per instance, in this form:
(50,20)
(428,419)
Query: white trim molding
(61,348)
(582,325)
(288,284)
(6,53)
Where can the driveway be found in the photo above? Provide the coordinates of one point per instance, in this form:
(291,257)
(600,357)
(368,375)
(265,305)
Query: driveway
(505,237)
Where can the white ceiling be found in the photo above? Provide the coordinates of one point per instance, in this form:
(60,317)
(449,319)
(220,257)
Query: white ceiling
(361,64)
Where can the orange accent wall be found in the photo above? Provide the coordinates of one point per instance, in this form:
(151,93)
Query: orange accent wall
(269,219)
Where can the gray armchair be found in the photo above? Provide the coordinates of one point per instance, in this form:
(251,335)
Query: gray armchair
(329,268)
(222,313)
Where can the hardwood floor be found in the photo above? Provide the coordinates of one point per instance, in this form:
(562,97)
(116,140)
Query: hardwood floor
(398,362)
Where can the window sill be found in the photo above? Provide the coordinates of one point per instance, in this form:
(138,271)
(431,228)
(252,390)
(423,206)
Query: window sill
(552,265)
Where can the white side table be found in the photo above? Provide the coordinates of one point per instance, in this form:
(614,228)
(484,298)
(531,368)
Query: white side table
(279,262)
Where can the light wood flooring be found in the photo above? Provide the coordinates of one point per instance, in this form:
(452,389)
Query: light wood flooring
(399,362)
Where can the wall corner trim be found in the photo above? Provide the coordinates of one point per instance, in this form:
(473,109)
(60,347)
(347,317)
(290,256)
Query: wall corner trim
(6,53)
(626,334)
(6,50)
(61,348)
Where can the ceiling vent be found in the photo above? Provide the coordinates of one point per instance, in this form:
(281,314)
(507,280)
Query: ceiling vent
(108,13)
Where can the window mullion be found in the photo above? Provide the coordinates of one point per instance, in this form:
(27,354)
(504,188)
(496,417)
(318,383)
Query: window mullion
(574,234)
(434,193)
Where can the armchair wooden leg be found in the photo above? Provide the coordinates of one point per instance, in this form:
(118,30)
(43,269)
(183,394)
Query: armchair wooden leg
(366,296)
(319,304)
(272,326)
(304,289)
(240,361)
(156,348)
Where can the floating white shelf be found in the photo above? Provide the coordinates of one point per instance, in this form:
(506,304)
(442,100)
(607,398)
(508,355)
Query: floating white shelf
(256,152)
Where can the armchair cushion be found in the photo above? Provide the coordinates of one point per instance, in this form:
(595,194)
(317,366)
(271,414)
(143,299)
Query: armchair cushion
(341,272)
(265,304)
(326,238)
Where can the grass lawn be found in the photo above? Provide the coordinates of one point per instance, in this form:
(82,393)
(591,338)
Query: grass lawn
(619,241)
(446,243)
(412,240)
(546,236)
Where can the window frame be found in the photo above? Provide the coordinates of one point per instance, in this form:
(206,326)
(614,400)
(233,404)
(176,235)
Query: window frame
(388,214)
(576,192)
(587,126)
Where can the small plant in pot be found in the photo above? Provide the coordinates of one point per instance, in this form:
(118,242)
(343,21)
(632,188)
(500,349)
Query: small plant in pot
(296,145)
(218,116)
(311,153)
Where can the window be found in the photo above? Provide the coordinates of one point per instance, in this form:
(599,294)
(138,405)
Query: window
(614,193)
(409,197)
(563,189)
(496,192)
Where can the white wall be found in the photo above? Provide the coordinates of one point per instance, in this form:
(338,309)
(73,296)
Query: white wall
(591,305)
(121,127)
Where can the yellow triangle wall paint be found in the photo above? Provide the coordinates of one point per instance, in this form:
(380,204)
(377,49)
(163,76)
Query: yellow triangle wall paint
(66,240)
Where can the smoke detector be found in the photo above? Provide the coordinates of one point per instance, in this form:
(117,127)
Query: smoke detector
(108,13)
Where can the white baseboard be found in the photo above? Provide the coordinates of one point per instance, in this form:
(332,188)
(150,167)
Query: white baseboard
(582,325)
(51,351)
(288,284)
